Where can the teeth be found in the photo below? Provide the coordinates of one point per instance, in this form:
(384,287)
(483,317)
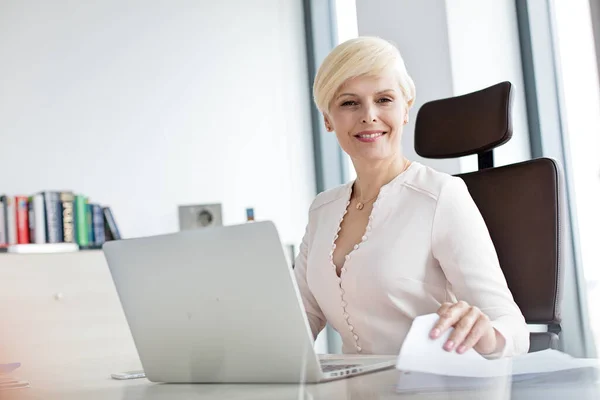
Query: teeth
(371,135)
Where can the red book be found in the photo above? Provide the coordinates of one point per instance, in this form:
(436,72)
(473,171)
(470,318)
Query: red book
(22,220)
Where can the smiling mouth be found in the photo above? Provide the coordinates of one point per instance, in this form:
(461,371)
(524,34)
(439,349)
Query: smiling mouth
(370,135)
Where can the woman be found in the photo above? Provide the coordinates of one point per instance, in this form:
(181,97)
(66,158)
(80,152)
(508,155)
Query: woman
(402,240)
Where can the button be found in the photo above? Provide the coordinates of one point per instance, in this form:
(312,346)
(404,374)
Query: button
(346,315)
(334,246)
(369,228)
(331,253)
(351,328)
(355,247)
(344,304)
(359,349)
(347,256)
(339,229)
(338,279)
(364,238)
(355,337)
(370,218)
(343,269)
(342,291)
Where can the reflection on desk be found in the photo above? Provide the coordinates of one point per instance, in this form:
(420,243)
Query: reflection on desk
(378,385)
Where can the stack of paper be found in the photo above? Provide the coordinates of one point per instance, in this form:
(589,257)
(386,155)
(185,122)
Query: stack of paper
(7,380)
(426,365)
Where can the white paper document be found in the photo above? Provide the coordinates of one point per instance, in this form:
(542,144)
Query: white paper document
(420,353)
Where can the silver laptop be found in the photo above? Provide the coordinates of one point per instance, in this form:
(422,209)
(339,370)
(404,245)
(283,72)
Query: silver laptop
(220,305)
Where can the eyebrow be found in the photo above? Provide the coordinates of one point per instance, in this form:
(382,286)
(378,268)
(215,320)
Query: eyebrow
(379,92)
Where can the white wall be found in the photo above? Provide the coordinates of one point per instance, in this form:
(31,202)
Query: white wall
(145,105)
(453,47)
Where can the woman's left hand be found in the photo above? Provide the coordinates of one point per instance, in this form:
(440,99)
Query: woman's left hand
(472,329)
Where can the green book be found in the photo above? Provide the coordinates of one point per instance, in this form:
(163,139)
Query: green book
(81,220)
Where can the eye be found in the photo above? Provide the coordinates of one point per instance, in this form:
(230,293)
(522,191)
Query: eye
(384,100)
(348,103)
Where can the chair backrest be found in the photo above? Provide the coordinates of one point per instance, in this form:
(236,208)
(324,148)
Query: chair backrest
(520,203)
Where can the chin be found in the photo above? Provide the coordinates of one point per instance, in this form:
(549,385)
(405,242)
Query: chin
(373,156)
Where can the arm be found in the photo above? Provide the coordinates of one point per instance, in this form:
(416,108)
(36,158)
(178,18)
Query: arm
(314,314)
(462,245)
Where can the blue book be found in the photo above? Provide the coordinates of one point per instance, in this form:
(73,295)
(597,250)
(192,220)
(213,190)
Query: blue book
(98,225)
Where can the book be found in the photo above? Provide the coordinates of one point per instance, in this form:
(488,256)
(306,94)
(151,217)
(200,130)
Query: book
(89,223)
(31,219)
(37,219)
(111,229)
(22,219)
(82,237)
(53,208)
(3,238)
(67,200)
(98,225)
(10,218)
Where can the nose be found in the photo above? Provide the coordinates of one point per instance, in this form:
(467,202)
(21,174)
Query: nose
(370,114)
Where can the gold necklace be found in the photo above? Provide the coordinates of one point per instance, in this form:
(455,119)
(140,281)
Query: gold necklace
(361,204)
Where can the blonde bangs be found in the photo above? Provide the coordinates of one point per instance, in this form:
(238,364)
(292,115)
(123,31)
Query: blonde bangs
(362,56)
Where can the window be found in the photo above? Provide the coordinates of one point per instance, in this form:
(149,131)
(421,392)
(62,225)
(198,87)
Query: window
(578,73)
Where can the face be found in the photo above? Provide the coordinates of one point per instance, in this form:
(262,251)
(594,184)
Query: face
(368,115)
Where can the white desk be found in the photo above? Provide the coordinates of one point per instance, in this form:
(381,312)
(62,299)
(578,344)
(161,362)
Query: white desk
(62,319)
(380,385)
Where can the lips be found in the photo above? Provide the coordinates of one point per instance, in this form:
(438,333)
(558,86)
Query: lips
(369,136)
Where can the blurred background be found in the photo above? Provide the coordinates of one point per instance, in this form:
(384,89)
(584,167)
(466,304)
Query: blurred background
(146,106)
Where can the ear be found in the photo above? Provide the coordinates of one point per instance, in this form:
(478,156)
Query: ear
(328,124)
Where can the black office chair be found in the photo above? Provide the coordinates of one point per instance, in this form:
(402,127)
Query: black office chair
(520,203)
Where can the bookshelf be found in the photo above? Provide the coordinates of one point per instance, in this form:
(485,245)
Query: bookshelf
(54,221)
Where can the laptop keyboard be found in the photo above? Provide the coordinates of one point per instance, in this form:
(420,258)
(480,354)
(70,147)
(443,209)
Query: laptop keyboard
(337,367)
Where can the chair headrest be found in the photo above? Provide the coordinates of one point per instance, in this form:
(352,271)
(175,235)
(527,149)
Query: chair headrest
(469,124)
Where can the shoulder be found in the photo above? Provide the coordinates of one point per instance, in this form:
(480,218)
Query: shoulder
(329,196)
(432,183)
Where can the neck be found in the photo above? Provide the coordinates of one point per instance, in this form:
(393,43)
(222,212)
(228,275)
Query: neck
(372,176)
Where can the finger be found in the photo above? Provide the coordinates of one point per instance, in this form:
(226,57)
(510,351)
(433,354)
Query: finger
(462,328)
(435,332)
(450,317)
(481,327)
(443,308)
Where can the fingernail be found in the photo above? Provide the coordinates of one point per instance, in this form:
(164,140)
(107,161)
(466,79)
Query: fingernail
(461,349)
(449,345)
(435,333)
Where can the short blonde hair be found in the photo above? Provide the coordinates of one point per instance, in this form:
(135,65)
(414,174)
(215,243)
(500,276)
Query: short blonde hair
(362,56)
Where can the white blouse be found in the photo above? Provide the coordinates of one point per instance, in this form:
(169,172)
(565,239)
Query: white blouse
(426,243)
